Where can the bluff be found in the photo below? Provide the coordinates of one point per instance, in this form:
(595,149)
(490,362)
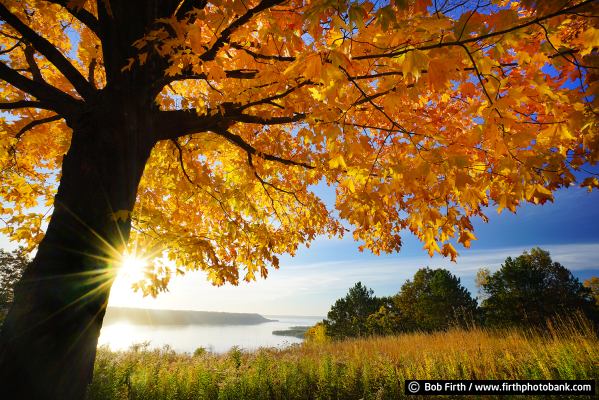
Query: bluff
(144,316)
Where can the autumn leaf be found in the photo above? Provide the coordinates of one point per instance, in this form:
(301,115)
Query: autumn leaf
(465,238)
(590,183)
(120,214)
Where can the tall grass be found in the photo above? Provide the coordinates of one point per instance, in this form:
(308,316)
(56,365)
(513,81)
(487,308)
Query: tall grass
(367,368)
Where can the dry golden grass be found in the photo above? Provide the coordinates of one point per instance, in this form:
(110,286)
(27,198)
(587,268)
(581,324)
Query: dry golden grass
(368,368)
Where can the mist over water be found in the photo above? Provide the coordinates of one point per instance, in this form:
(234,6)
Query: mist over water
(216,338)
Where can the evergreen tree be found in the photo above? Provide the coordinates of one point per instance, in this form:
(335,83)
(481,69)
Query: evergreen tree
(434,300)
(348,316)
(446,303)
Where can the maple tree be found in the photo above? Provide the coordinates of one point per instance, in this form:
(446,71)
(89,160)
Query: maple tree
(198,129)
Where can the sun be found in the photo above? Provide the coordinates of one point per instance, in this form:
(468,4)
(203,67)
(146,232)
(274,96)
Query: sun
(132,267)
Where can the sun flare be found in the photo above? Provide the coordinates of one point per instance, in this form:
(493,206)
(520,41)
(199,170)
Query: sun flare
(132,267)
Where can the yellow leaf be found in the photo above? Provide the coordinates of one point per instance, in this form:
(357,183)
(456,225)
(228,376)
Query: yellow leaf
(438,73)
(421,6)
(122,214)
(449,251)
(173,70)
(414,62)
(590,183)
(392,102)
(539,194)
(356,15)
(590,39)
(349,183)
(462,179)
(506,200)
(339,22)
(337,161)
(486,64)
(465,238)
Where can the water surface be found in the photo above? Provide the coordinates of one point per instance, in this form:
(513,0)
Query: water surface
(217,338)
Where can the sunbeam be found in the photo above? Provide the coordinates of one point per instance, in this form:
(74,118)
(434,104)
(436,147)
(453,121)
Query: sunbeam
(133,267)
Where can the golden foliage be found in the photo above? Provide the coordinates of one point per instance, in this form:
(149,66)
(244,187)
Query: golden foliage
(419,120)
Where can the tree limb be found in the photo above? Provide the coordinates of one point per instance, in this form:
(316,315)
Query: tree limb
(11,49)
(177,123)
(261,56)
(50,52)
(33,68)
(50,97)
(87,18)
(35,123)
(26,104)
(478,38)
(225,35)
(234,74)
(252,119)
(239,142)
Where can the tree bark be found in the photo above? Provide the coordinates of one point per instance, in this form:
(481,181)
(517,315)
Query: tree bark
(49,338)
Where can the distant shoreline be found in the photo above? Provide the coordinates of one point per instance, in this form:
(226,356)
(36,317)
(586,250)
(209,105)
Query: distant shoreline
(145,316)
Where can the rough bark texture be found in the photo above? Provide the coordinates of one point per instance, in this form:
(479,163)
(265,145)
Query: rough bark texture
(48,342)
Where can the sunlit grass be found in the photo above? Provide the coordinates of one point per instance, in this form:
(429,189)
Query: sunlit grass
(367,368)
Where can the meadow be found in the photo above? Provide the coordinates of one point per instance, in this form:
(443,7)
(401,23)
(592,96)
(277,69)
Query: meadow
(371,368)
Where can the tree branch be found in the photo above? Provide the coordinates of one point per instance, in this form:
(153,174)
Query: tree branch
(239,142)
(87,18)
(11,49)
(50,97)
(265,183)
(33,68)
(50,52)
(252,119)
(478,38)
(177,123)
(261,56)
(225,35)
(268,100)
(233,74)
(35,123)
(26,104)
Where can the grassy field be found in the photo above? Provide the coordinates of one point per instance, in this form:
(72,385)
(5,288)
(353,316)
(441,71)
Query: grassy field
(368,368)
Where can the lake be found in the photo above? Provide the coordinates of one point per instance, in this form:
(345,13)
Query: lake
(216,338)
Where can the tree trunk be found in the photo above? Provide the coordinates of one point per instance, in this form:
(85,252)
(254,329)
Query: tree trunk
(49,338)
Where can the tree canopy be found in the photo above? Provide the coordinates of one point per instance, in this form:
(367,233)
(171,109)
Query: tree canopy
(349,315)
(420,113)
(531,288)
(199,128)
(433,300)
